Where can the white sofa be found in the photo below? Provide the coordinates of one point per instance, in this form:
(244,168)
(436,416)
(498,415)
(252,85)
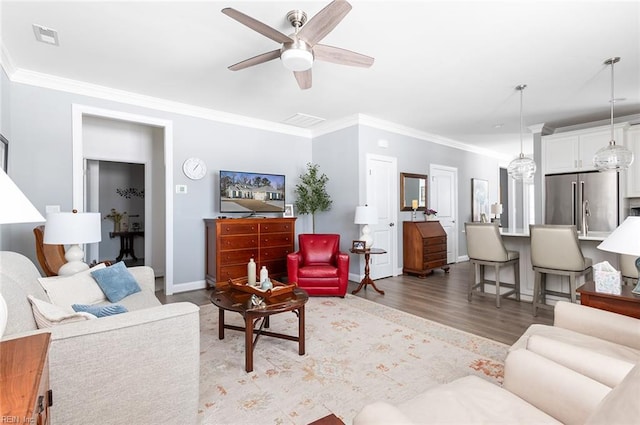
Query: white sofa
(138,367)
(566,375)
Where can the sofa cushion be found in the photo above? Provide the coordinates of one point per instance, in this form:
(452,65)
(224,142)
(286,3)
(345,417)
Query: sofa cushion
(80,288)
(567,336)
(621,405)
(19,278)
(116,281)
(318,272)
(100,310)
(48,315)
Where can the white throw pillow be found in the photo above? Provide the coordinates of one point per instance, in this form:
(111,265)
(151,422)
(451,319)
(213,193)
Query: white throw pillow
(48,315)
(80,288)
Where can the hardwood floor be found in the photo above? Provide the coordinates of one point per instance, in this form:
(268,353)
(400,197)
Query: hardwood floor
(441,297)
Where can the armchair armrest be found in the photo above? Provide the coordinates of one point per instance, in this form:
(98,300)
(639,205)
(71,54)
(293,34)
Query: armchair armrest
(342,260)
(141,366)
(558,391)
(293,264)
(601,324)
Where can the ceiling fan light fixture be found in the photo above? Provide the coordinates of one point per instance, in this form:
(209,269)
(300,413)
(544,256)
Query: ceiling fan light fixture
(612,157)
(522,168)
(297,59)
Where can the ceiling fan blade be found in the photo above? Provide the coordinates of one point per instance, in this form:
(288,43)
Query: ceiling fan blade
(303,78)
(341,56)
(257,26)
(324,22)
(265,57)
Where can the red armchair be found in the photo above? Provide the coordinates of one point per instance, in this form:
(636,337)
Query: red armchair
(319,267)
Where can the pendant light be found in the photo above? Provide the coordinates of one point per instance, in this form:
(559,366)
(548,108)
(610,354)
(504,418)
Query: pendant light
(612,157)
(522,168)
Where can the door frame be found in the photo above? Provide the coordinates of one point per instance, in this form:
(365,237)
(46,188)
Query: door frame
(78,191)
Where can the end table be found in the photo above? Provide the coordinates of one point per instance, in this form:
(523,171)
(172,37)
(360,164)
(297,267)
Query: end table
(367,279)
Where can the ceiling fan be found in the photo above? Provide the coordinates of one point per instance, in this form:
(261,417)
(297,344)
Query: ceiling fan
(301,48)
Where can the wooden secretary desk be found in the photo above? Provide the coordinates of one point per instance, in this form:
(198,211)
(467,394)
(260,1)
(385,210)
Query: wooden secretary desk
(424,245)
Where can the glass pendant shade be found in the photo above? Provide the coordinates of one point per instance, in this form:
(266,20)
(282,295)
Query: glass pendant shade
(522,168)
(612,157)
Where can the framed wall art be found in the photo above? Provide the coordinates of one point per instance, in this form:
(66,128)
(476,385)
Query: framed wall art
(479,200)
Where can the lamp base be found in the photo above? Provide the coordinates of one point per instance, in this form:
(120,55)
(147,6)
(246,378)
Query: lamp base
(636,290)
(74,264)
(366,236)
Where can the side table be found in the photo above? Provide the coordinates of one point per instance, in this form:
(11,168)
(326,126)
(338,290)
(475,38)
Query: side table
(24,374)
(367,279)
(626,303)
(126,243)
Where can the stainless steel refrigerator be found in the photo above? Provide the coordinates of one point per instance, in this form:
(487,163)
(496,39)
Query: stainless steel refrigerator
(569,198)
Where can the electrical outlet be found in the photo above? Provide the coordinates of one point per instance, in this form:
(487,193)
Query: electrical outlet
(181,188)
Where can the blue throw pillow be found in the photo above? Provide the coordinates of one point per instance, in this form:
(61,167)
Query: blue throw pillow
(100,310)
(116,282)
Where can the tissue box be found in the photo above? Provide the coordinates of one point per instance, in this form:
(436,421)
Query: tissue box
(608,280)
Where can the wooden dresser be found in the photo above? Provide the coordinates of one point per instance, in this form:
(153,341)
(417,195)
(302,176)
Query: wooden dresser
(231,242)
(25,396)
(424,247)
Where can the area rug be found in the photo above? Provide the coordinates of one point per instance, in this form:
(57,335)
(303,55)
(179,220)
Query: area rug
(357,352)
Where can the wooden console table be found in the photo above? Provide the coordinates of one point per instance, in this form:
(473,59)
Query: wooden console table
(126,243)
(24,374)
(626,303)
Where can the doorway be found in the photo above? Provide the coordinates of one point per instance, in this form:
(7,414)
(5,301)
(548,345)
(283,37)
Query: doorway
(443,197)
(106,135)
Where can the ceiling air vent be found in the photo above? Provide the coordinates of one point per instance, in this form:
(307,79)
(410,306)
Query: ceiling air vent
(45,35)
(303,120)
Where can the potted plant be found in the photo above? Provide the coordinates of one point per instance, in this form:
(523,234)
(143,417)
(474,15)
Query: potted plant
(311,193)
(430,214)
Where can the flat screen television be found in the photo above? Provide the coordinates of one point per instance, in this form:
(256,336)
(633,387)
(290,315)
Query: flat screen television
(254,193)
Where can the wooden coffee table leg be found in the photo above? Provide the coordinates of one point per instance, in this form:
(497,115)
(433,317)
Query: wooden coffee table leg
(220,323)
(248,342)
(301,348)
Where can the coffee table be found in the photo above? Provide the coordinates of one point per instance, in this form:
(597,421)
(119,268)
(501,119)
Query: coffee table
(256,317)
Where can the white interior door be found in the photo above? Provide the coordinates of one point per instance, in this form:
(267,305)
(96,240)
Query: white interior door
(382,192)
(443,197)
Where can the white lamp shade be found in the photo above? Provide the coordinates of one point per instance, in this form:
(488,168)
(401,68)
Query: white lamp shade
(297,59)
(496,209)
(68,228)
(625,239)
(14,206)
(366,215)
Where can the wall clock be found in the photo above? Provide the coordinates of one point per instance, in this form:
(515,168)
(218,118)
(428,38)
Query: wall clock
(194,168)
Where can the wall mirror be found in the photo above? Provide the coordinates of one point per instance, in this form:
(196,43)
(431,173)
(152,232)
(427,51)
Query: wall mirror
(413,187)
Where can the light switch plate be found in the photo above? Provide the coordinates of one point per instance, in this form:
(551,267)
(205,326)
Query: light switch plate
(181,188)
(52,209)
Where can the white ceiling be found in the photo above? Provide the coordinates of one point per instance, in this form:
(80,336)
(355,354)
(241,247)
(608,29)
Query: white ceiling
(442,67)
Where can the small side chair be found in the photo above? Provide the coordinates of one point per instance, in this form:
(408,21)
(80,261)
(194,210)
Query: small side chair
(486,248)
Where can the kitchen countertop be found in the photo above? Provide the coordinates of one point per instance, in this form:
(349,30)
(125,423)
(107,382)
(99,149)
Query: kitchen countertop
(524,233)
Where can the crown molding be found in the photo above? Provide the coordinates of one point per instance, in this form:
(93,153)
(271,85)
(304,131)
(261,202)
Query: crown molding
(106,93)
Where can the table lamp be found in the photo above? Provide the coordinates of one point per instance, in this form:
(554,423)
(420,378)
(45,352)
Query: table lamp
(72,228)
(366,215)
(625,240)
(496,210)
(14,208)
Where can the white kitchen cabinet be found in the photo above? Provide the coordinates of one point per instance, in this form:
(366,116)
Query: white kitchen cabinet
(573,151)
(632,141)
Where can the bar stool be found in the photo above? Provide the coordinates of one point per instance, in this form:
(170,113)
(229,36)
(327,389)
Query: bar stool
(555,249)
(485,248)
(628,268)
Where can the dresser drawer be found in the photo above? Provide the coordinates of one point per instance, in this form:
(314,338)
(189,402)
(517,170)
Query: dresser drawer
(232,272)
(435,240)
(275,227)
(238,242)
(238,229)
(276,239)
(275,267)
(237,256)
(439,247)
(275,253)
(435,264)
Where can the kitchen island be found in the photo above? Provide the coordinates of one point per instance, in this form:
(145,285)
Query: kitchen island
(519,240)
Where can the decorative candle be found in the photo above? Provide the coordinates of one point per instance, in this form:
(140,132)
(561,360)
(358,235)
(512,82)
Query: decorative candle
(414,204)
